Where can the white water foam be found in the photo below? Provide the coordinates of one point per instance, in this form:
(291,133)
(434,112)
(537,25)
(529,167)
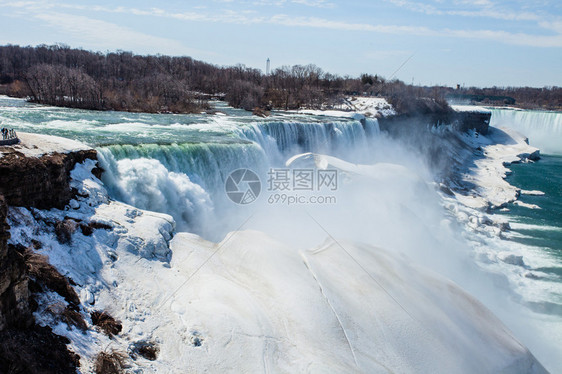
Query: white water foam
(260,146)
(404,217)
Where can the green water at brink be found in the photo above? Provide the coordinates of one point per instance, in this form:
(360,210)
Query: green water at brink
(541,227)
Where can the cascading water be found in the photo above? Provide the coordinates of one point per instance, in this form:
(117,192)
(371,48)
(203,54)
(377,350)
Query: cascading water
(187,180)
(544,129)
(178,164)
(282,139)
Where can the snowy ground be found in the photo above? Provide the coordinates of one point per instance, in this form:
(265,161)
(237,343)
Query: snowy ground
(356,107)
(364,106)
(499,149)
(253,304)
(516,265)
(485,175)
(37,145)
(470,108)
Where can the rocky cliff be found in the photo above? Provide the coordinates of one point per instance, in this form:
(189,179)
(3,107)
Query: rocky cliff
(40,182)
(14,292)
(437,136)
(404,124)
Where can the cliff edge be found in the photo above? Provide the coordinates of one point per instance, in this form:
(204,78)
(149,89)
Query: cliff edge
(34,173)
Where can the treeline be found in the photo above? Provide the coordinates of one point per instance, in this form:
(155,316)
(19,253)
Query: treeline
(63,76)
(523,97)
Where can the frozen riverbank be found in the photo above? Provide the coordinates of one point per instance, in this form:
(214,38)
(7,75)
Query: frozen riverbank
(391,217)
(252,303)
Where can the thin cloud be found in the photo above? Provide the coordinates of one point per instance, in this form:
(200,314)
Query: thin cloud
(282,3)
(285,20)
(386,54)
(126,36)
(315,3)
(106,35)
(478,8)
(545,41)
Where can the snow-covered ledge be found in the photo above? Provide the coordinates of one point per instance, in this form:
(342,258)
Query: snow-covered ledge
(256,304)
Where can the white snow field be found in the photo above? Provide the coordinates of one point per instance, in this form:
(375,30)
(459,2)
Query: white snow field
(36,145)
(253,304)
(500,148)
(356,107)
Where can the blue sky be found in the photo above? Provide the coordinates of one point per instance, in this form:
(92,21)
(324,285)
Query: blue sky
(479,42)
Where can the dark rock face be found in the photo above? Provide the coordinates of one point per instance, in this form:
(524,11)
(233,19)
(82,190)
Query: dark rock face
(14,292)
(35,350)
(473,120)
(42,182)
(461,121)
(415,132)
(32,182)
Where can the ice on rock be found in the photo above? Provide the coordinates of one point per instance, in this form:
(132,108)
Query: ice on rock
(144,233)
(87,297)
(501,148)
(526,205)
(532,193)
(512,259)
(357,108)
(37,145)
(74,204)
(102,263)
(89,187)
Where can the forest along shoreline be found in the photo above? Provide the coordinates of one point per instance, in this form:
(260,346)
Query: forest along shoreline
(62,76)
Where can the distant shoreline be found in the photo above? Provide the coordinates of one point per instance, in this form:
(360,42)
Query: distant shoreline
(122,81)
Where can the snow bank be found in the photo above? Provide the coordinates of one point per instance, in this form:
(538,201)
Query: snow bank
(258,305)
(253,304)
(118,236)
(37,145)
(357,108)
(516,266)
(470,108)
(483,189)
(374,107)
(497,150)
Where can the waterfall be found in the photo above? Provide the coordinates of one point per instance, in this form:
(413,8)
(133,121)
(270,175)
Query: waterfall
(187,180)
(544,129)
(184,180)
(281,140)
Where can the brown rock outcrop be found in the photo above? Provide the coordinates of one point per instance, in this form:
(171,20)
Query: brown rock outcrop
(14,291)
(413,123)
(40,182)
